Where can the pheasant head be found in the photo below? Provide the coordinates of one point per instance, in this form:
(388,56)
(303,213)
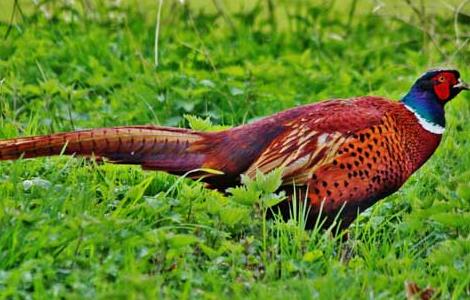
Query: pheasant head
(429,94)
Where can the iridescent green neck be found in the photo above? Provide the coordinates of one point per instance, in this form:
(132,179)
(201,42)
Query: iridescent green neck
(425,104)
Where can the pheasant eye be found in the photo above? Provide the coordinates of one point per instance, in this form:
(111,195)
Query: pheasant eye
(441,78)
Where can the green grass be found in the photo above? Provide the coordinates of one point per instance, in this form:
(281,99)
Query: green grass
(72,228)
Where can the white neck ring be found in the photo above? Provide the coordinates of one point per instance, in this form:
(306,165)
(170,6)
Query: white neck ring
(427,125)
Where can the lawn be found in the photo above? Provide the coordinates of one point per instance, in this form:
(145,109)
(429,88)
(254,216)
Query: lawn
(75,228)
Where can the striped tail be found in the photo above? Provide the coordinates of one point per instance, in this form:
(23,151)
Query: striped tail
(159,148)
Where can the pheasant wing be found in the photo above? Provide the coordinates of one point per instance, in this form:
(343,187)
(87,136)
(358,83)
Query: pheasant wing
(313,139)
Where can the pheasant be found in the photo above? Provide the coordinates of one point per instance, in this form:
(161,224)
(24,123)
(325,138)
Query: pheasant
(342,155)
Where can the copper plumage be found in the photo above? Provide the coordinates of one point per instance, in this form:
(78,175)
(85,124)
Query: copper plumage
(344,155)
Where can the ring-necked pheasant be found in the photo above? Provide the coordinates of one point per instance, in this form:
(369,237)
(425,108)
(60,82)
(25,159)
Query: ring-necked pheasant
(340,152)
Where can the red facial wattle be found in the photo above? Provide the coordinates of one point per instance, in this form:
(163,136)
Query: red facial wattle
(442,91)
(443,83)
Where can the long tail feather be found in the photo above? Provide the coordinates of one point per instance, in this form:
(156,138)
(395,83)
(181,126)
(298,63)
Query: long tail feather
(153,147)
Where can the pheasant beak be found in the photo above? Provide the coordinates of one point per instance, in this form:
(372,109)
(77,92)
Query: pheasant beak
(461,85)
